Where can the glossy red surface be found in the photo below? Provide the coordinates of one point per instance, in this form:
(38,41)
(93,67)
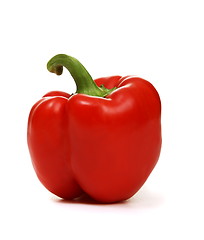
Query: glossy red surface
(106,147)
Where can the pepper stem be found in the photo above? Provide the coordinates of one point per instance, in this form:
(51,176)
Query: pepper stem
(84,82)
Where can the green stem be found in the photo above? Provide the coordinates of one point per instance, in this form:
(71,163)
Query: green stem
(82,78)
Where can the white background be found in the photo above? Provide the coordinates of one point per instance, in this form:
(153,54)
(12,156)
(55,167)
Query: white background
(161,41)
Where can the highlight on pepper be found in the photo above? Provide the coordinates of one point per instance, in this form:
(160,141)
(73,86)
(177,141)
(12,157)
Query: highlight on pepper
(103,141)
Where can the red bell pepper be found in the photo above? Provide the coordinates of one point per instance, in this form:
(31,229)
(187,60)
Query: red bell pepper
(104,140)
